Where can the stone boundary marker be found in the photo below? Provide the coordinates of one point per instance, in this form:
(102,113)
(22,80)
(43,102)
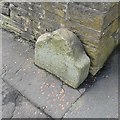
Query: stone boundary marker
(61,53)
(41,88)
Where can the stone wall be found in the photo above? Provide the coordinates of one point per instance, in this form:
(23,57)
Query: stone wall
(96,24)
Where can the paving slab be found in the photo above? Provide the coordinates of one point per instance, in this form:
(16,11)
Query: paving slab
(24,109)
(14,105)
(43,89)
(101,100)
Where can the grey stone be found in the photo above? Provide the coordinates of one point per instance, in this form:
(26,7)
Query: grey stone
(61,53)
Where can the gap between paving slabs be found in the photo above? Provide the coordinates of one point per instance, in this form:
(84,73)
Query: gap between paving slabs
(41,88)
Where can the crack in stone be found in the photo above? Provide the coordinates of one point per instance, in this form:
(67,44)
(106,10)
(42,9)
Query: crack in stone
(18,70)
(14,106)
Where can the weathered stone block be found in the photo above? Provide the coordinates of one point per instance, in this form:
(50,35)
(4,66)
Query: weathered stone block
(61,53)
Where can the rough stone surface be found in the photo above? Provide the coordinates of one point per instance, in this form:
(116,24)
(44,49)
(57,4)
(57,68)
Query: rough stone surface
(5,8)
(62,54)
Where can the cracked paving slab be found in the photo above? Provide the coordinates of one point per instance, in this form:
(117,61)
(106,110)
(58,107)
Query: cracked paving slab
(14,105)
(101,101)
(43,89)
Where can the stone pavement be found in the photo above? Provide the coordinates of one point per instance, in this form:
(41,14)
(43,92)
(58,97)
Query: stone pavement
(28,89)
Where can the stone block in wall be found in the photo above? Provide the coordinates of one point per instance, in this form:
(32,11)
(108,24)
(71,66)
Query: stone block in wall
(61,53)
(5,8)
(94,19)
(22,11)
(60,5)
(52,7)
(99,51)
(23,5)
(15,27)
(11,22)
(16,15)
(19,11)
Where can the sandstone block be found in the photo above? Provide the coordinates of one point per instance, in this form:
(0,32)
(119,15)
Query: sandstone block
(61,53)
